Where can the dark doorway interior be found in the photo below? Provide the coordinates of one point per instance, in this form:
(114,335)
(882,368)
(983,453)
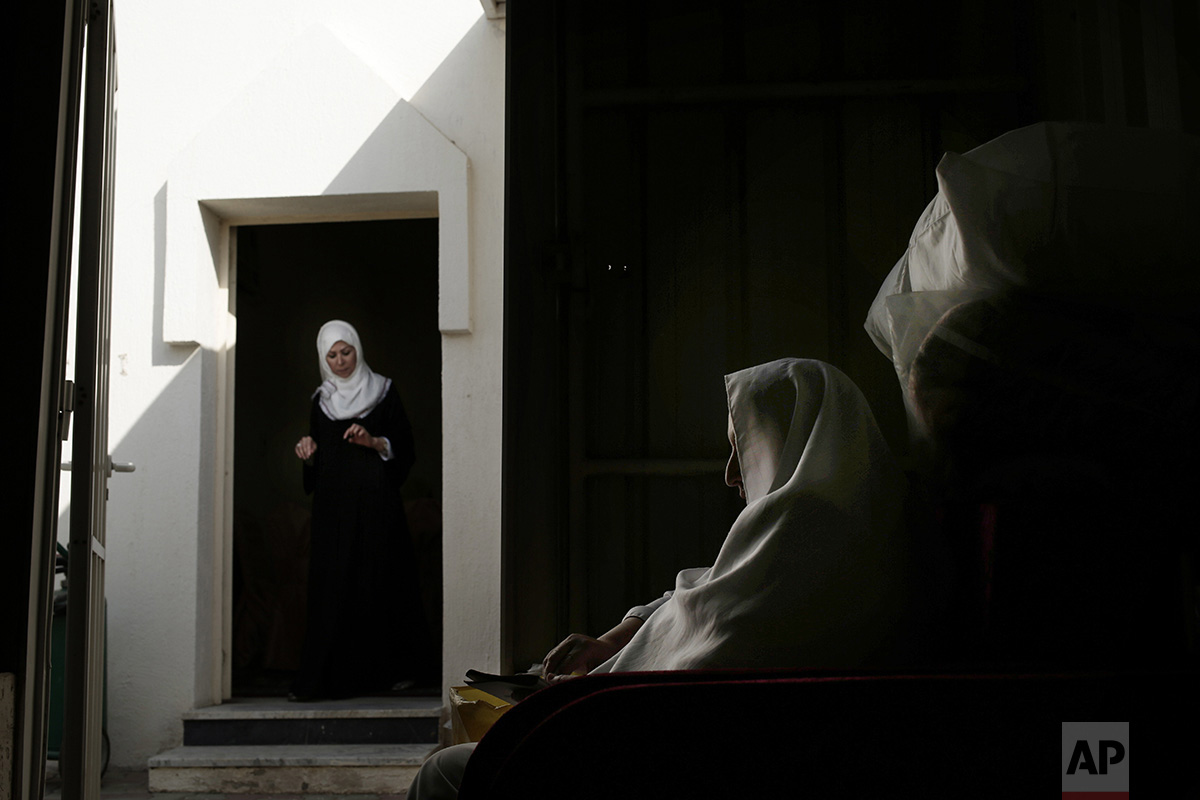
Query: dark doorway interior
(382,277)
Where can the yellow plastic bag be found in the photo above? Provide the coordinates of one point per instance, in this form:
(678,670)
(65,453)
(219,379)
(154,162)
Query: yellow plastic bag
(472,712)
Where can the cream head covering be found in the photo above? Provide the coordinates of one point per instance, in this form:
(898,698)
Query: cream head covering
(353,396)
(1091,213)
(814,571)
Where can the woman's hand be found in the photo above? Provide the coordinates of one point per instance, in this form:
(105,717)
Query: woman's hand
(578,654)
(357,434)
(305,448)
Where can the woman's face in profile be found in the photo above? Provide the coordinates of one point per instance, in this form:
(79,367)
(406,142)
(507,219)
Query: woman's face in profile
(733,470)
(342,358)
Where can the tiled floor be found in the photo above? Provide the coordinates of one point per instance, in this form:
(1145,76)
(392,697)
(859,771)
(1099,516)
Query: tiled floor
(120,784)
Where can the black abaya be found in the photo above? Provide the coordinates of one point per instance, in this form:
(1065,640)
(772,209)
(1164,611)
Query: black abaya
(365,625)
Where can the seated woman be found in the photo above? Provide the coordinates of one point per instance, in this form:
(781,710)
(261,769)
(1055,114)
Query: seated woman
(818,570)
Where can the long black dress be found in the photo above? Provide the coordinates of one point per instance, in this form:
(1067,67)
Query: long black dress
(365,625)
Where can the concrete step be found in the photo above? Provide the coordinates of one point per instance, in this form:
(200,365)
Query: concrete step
(368,745)
(271,721)
(267,769)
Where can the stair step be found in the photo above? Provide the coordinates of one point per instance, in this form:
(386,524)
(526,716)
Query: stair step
(359,721)
(295,768)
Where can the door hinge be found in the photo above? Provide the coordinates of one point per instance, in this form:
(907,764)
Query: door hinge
(66,406)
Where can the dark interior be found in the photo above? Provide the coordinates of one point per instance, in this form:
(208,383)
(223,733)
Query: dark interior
(708,186)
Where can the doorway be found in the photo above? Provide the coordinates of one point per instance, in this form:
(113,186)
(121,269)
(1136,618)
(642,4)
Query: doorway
(382,276)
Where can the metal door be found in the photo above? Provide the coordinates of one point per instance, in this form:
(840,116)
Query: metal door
(91,464)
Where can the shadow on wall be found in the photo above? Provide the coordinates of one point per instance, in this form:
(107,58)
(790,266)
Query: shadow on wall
(468,57)
(154,587)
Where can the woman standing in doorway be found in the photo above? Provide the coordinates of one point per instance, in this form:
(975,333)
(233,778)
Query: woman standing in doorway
(364,632)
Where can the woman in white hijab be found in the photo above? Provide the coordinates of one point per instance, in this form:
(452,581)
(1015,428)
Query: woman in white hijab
(819,569)
(816,571)
(364,629)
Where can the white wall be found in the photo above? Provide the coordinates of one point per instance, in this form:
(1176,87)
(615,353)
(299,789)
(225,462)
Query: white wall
(464,98)
(200,87)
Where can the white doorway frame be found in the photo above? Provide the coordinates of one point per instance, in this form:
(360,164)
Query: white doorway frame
(302,146)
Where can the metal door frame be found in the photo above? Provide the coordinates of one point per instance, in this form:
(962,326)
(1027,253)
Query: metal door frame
(84,690)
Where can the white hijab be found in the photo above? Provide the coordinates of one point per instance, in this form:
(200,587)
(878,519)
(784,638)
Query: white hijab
(814,570)
(353,396)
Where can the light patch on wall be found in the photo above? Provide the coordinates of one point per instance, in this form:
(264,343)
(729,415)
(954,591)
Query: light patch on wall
(406,43)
